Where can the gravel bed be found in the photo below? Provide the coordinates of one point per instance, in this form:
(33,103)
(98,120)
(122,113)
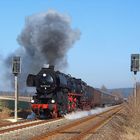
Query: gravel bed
(107,132)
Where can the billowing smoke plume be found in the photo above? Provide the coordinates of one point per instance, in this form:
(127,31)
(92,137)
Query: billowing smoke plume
(45,39)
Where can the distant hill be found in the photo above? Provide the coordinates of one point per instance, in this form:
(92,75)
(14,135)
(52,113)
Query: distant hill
(124,91)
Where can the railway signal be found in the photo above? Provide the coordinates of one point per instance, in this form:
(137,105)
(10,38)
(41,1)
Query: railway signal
(135,63)
(135,67)
(16,69)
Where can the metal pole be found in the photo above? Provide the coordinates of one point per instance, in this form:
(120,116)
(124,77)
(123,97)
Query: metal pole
(135,90)
(16,97)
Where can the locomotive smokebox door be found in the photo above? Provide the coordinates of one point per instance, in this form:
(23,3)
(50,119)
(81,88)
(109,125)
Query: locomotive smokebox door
(16,66)
(135,63)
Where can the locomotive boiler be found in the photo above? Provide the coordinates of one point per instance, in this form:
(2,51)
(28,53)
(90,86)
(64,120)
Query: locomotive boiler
(58,94)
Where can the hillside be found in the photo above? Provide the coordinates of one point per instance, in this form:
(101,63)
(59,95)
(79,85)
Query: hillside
(124,91)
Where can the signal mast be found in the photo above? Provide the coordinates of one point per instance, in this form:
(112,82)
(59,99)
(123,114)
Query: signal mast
(16,69)
(135,67)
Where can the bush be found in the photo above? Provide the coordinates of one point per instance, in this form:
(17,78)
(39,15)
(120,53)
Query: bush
(5,113)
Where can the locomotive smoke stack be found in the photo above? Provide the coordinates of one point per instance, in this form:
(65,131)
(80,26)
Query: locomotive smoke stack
(48,66)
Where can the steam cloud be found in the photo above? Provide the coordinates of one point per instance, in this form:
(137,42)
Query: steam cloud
(45,39)
(81,114)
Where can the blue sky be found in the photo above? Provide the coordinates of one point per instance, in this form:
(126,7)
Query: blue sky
(110,33)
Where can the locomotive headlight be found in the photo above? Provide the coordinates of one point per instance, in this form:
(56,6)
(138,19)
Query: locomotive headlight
(32,101)
(52,101)
(44,74)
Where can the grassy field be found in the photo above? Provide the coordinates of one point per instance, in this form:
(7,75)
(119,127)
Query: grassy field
(7,109)
(10,104)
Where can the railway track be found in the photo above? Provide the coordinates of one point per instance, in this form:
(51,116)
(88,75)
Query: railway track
(79,129)
(18,126)
(14,123)
(60,128)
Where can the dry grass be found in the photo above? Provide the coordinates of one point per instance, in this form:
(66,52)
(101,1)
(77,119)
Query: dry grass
(131,125)
(126,125)
(5,113)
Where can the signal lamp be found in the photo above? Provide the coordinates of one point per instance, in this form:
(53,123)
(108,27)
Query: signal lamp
(32,101)
(52,101)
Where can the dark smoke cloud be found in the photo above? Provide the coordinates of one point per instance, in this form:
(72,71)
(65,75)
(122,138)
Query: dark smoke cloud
(45,39)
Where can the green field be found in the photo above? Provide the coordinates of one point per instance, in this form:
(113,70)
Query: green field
(10,104)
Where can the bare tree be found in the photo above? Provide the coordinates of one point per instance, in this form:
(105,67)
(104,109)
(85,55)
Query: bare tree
(104,88)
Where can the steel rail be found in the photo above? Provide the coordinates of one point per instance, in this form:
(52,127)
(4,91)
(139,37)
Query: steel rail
(57,131)
(96,127)
(23,125)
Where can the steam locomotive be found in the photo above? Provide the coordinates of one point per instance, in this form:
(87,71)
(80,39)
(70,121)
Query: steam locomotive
(58,94)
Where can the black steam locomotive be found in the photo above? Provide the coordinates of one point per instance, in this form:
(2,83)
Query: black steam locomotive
(58,94)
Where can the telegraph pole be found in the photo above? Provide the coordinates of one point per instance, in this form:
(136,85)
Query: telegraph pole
(16,69)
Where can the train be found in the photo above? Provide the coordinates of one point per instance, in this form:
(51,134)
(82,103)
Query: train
(58,94)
